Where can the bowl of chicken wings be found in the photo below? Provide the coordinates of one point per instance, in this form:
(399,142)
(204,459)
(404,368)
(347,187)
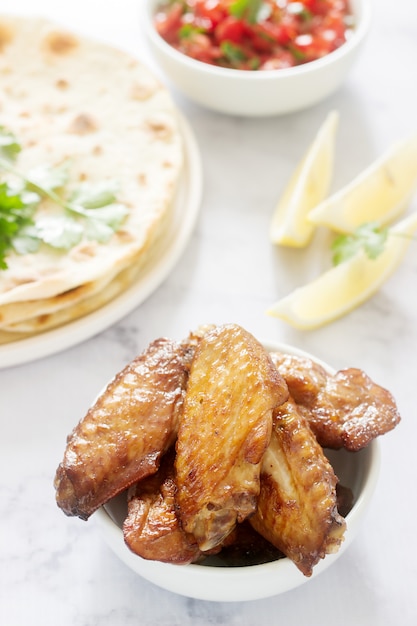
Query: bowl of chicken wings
(224,468)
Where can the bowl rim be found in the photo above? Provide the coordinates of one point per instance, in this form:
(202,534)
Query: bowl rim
(213,583)
(363,7)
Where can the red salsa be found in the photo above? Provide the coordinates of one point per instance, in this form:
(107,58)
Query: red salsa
(254,34)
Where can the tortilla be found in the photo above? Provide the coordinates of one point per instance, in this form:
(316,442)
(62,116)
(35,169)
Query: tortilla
(72,100)
(47,319)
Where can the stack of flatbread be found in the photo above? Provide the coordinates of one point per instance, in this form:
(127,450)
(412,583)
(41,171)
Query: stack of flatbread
(67,98)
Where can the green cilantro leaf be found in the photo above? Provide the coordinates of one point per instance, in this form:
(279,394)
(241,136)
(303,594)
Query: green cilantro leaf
(234,54)
(27,240)
(187,31)
(59,231)
(254,63)
(16,212)
(246,9)
(306,15)
(4,246)
(9,146)
(95,196)
(98,230)
(298,54)
(97,203)
(91,211)
(18,201)
(112,215)
(370,237)
(44,178)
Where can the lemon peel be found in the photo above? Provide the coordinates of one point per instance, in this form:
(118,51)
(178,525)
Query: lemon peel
(344,287)
(380,193)
(307,187)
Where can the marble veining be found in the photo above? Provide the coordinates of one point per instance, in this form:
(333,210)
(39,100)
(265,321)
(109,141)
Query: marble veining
(56,571)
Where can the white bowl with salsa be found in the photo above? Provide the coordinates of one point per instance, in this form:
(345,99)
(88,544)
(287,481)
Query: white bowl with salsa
(228,59)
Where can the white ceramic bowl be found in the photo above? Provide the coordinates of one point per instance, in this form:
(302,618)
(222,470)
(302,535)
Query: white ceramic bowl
(358,470)
(252,93)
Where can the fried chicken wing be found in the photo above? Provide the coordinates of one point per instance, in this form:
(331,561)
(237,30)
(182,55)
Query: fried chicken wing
(122,437)
(346,409)
(223,433)
(153,531)
(152,528)
(304,377)
(219,446)
(297,504)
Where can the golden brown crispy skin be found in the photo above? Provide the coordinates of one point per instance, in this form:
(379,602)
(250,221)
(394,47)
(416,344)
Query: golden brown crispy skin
(122,437)
(152,529)
(304,377)
(224,431)
(297,504)
(346,410)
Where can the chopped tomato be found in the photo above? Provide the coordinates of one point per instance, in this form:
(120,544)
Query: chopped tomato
(169,22)
(281,33)
(318,7)
(213,11)
(230,29)
(253,35)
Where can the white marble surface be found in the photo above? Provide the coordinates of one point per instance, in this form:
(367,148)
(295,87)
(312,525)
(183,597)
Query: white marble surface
(57,571)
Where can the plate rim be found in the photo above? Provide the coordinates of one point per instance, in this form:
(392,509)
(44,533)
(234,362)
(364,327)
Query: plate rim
(153,275)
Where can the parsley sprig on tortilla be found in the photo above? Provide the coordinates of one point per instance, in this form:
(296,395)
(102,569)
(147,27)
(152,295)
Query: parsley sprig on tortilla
(90,211)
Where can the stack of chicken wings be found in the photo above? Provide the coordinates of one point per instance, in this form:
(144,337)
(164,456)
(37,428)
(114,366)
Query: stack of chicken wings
(219,444)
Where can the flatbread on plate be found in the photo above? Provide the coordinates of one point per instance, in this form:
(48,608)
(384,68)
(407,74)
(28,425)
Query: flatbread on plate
(72,100)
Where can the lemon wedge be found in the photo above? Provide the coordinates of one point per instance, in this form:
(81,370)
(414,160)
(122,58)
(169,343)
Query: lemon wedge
(380,193)
(344,287)
(307,187)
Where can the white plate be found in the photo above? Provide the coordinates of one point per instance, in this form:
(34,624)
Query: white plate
(359,471)
(161,263)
